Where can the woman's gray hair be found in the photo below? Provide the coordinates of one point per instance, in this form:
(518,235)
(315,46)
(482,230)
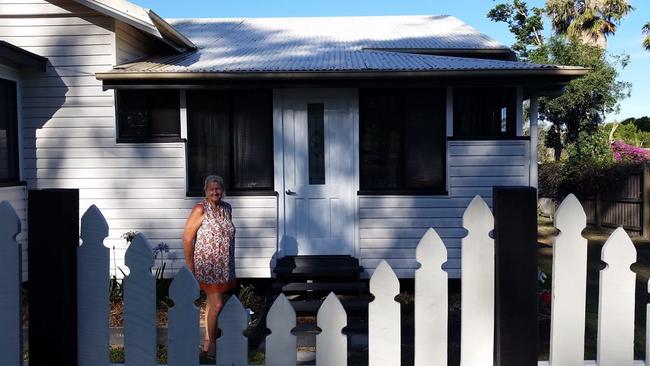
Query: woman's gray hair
(215,179)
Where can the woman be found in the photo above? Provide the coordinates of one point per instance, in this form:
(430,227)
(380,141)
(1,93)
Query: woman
(209,245)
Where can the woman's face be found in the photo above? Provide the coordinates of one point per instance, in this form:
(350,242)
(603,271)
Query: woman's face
(213,192)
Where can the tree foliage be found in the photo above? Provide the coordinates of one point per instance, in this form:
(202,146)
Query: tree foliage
(646,40)
(526,25)
(581,108)
(590,21)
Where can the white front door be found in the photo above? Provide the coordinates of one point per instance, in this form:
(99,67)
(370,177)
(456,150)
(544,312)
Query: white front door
(319,179)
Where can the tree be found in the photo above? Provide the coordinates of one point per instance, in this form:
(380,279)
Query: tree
(646,40)
(590,21)
(581,108)
(525,25)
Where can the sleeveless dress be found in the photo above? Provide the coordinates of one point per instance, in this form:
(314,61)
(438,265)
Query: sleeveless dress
(214,249)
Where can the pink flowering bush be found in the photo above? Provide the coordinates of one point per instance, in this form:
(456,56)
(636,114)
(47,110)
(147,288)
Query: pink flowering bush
(630,153)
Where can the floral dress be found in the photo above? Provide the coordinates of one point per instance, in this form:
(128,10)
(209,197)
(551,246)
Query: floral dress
(214,249)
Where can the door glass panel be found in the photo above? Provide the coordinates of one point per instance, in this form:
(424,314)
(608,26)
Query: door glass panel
(316,136)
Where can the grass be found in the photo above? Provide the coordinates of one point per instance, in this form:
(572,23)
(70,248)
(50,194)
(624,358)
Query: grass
(596,239)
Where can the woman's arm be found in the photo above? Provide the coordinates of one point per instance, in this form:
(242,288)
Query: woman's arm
(189,234)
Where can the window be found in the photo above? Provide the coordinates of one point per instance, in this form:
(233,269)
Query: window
(148,115)
(230,133)
(8,132)
(484,112)
(402,141)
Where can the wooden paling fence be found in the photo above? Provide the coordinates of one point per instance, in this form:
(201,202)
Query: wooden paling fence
(615,323)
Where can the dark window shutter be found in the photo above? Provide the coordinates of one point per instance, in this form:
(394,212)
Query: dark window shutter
(8,131)
(402,139)
(478,112)
(146,115)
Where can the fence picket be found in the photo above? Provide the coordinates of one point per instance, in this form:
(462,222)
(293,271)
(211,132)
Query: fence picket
(232,346)
(616,302)
(569,287)
(477,286)
(139,305)
(184,330)
(281,344)
(431,306)
(11,352)
(647,330)
(331,343)
(384,341)
(92,290)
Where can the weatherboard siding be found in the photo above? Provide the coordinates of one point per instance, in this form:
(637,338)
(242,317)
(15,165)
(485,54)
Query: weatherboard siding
(390,227)
(69,137)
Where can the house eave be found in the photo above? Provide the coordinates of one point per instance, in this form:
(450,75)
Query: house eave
(326,75)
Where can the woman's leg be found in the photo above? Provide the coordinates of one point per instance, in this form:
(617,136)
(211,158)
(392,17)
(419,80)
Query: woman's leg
(214,306)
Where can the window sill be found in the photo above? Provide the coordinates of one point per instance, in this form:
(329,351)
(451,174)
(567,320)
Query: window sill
(123,140)
(233,193)
(12,183)
(401,192)
(487,138)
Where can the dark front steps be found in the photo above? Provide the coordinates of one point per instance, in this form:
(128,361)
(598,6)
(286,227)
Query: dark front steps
(307,280)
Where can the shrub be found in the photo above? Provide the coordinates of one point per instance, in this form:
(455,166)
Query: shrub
(629,153)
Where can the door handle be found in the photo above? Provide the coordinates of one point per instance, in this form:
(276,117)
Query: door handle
(290,192)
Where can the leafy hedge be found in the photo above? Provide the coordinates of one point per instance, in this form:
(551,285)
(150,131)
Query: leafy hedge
(557,179)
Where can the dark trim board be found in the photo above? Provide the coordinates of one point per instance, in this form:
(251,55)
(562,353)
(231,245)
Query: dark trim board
(12,183)
(488,138)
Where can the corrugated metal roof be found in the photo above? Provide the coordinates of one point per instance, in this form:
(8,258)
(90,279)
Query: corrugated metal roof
(325,44)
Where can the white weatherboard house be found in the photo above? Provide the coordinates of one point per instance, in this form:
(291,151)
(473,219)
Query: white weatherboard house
(346,135)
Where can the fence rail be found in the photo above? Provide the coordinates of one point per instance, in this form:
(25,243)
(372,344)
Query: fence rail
(616,302)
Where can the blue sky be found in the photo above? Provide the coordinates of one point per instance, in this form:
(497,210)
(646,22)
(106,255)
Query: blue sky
(627,40)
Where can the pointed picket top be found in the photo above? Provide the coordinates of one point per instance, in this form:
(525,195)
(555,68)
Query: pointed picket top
(384,282)
(477,286)
(9,223)
(183,332)
(618,250)
(478,217)
(10,282)
(616,301)
(281,344)
(570,216)
(384,338)
(140,254)
(139,305)
(331,343)
(94,228)
(184,286)
(233,320)
(431,249)
(431,309)
(92,290)
(569,285)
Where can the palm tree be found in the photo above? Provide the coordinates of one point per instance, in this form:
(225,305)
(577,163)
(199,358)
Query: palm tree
(646,31)
(588,20)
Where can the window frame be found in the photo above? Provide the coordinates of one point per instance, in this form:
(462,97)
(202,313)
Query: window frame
(16,180)
(230,190)
(145,139)
(441,93)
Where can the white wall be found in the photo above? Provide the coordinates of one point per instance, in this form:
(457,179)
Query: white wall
(69,135)
(391,226)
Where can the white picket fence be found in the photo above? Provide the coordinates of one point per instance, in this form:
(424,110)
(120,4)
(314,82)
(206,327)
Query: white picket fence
(615,318)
